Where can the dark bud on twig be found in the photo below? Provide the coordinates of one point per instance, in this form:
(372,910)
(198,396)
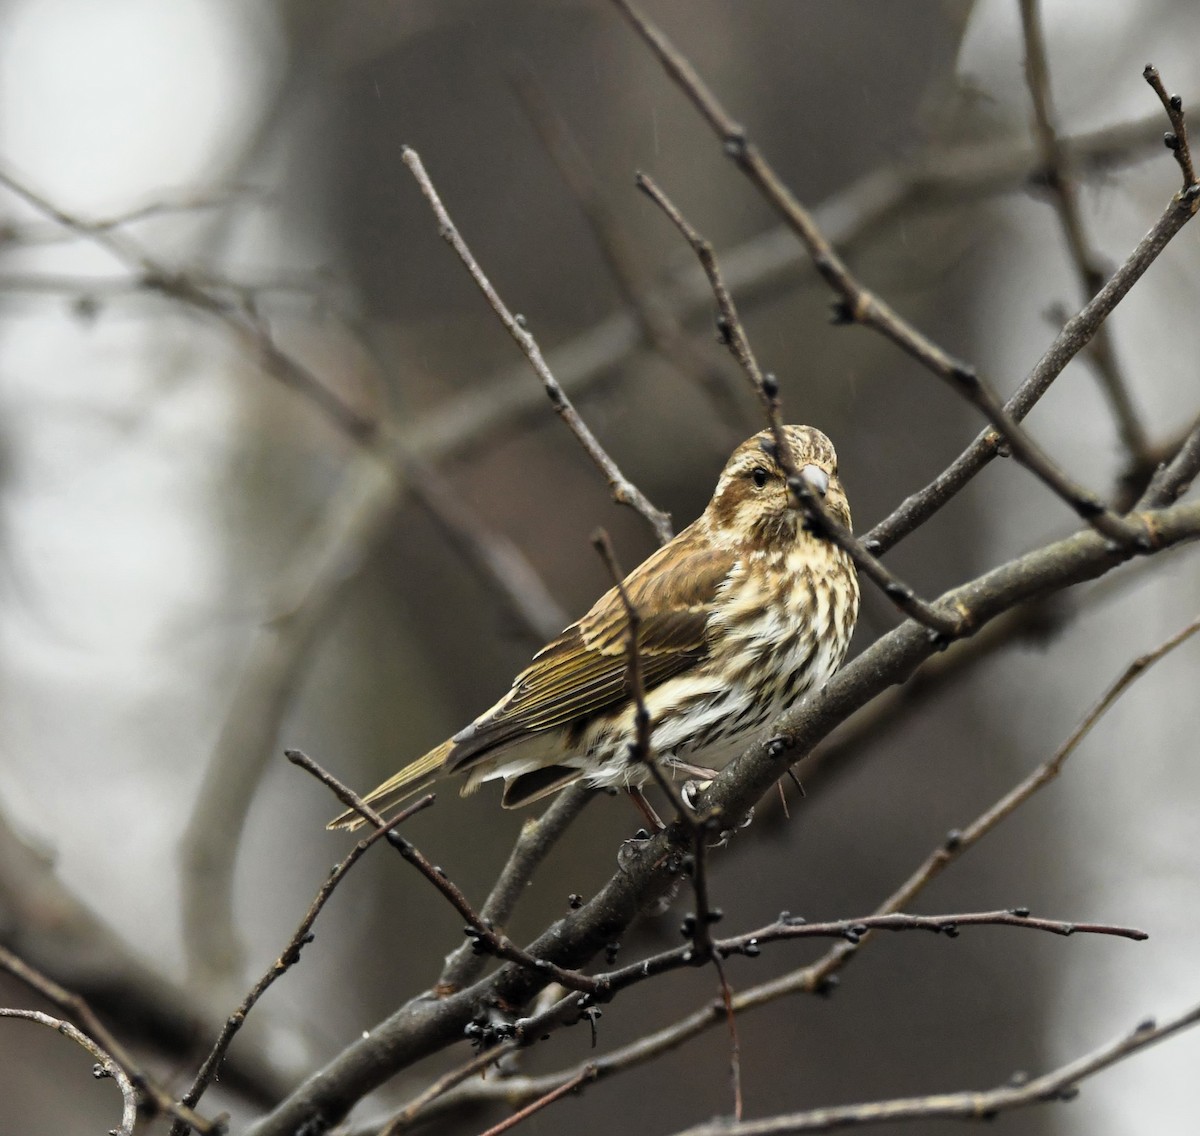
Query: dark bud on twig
(574,901)
(840,313)
(826,986)
(735,143)
(1019,912)
(1145,1026)
(101,1072)
(1176,102)
(770,385)
(953,840)
(1171,140)
(778,746)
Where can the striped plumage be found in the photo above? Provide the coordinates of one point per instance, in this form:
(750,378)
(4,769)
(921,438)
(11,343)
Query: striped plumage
(741,614)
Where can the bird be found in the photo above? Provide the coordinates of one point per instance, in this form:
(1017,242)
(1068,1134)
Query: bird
(739,616)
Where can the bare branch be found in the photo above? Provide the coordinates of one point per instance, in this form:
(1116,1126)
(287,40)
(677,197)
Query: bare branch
(105,1067)
(623,490)
(499,563)
(420,1027)
(477,929)
(1177,140)
(1058,1085)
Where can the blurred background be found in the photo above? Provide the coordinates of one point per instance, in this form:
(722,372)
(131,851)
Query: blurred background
(198,569)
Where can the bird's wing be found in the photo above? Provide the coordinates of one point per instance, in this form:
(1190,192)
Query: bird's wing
(585,671)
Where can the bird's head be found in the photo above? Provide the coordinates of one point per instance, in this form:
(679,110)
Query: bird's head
(752,500)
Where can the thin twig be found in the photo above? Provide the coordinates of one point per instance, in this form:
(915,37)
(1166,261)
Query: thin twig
(1177,139)
(697,926)
(1058,1085)
(105,1067)
(1175,477)
(587,1073)
(1058,177)
(74,1006)
(288,958)
(857,305)
(945,624)
(641,751)
(487,937)
(623,490)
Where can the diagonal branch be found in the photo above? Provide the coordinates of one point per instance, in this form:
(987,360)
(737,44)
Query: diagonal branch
(1058,1085)
(1058,176)
(623,490)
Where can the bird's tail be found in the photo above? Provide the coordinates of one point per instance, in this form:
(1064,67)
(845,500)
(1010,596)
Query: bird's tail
(411,779)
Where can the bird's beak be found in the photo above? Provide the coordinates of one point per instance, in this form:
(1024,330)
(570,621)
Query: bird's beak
(816,479)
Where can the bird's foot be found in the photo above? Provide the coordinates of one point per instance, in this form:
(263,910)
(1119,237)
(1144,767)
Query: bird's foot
(689,790)
(725,833)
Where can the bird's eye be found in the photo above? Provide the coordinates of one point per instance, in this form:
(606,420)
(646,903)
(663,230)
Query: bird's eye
(759,476)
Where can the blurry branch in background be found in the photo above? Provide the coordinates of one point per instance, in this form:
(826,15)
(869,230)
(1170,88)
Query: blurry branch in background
(105,1065)
(46,925)
(1059,179)
(188,290)
(26,234)
(322,570)
(500,565)
(660,326)
(624,492)
(1058,1085)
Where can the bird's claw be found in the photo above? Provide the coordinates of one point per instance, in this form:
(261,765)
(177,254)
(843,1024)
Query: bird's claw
(691,788)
